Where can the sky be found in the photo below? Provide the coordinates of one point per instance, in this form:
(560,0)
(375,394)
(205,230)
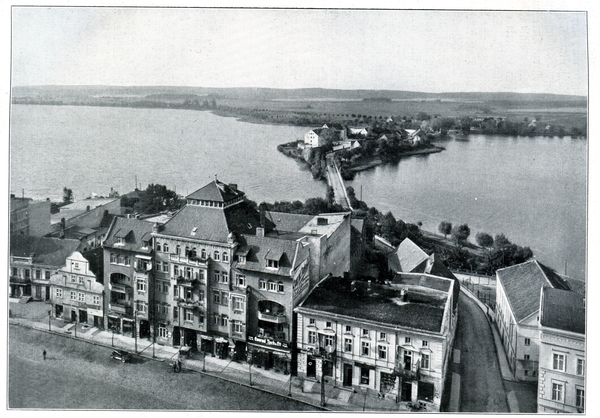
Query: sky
(427,51)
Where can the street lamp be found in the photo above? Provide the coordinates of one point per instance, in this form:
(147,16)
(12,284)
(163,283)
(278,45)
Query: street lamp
(49,318)
(135,328)
(76,322)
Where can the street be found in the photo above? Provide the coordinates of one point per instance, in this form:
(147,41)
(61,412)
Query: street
(80,375)
(482,389)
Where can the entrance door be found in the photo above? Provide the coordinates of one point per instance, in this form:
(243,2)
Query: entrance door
(406,391)
(38,291)
(348,374)
(144,328)
(407,360)
(311,367)
(73,315)
(47,292)
(176,336)
(83,316)
(58,311)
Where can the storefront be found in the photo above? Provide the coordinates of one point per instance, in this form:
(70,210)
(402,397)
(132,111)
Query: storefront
(269,354)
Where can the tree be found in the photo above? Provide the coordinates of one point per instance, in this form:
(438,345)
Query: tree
(445,228)
(157,198)
(484,240)
(330,195)
(460,234)
(67,196)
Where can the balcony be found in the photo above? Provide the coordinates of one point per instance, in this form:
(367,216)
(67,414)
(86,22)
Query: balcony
(195,261)
(119,288)
(273,318)
(121,308)
(190,303)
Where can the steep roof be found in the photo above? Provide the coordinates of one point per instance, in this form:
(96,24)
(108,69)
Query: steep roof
(407,257)
(133,231)
(212,224)
(423,309)
(45,250)
(522,284)
(290,222)
(563,309)
(216,191)
(290,254)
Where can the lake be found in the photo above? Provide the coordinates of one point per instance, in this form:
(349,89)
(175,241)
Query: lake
(531,189)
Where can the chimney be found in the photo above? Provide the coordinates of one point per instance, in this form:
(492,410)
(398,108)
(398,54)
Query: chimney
(87,209)
(322,221)
(62,227)
(233,187)
(155,227)
(260,232)
(403,295)
(262,209)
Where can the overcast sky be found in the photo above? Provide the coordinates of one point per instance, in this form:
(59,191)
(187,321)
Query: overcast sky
(429,51)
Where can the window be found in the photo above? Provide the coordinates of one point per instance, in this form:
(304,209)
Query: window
(73,295)
(165,248)
(262,284)
(175,270)
(166,267)
(96,299)
(526,357)
(311,321)
(188,292)
(162,331)
(217,276)
(189,315)
(236,327)
(27,273)
(73,278)
(329,340)
(364,375)
(579,398)
(158,246)
(406,340)
(126,261)
(273,264)
(188,272)
(217,297)
(328,324)
(348,345)
(225,298)
(527,341)
(580,366)
(349,329)
(557,392)
(424,361)
(382,336)
(225,277)
(158,266)
(178,250)
(238,303)
(272,286)
(365,348)
(140,306)
(58,293)
(141,285)
(382,350)
(558,362)
(526,372)
(241,259)
(203,254)
(280,287)
(81,297)
(15,271)
(312,337)
(223,319)
(425,343)
(240,280)
(175,312)
(81,280)
(216,256)
(365,332)
(225,257)
(38,274)
(47,274)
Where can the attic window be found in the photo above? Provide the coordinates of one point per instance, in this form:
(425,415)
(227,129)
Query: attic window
(273,263)
(120,240)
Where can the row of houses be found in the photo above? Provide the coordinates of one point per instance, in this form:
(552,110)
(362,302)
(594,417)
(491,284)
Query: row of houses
(231,280)
(343,137)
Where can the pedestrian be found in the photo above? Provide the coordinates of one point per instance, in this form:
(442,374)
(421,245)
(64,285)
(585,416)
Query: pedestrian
(44,354)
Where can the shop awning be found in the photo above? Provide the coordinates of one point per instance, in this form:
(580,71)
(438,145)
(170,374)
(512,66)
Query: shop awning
(221,340)
(269,348)
(206,337)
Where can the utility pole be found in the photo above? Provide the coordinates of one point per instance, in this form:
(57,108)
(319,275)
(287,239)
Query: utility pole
(135,329)
(49,318)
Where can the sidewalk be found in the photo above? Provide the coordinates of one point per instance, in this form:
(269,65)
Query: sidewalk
(337,398)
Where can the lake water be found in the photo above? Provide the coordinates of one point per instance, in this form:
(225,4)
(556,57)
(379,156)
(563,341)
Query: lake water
(531,189)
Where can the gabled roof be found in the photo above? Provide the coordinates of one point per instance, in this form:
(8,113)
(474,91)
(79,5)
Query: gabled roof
(289,222)
(407,257)
(216,191)
(133,231)
(563,309)
(522,284)
(290,254)
(45,250)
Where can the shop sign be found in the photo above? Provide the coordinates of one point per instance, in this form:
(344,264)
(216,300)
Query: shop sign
(268,341)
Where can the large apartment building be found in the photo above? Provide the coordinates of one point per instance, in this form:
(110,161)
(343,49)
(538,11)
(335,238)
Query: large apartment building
(389,340)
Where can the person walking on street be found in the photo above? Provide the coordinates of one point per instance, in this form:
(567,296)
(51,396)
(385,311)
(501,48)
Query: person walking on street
(44,354)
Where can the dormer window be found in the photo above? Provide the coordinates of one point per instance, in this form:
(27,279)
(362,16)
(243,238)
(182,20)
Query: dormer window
(241,259)
(120,240)
(145,244)
(273,263)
